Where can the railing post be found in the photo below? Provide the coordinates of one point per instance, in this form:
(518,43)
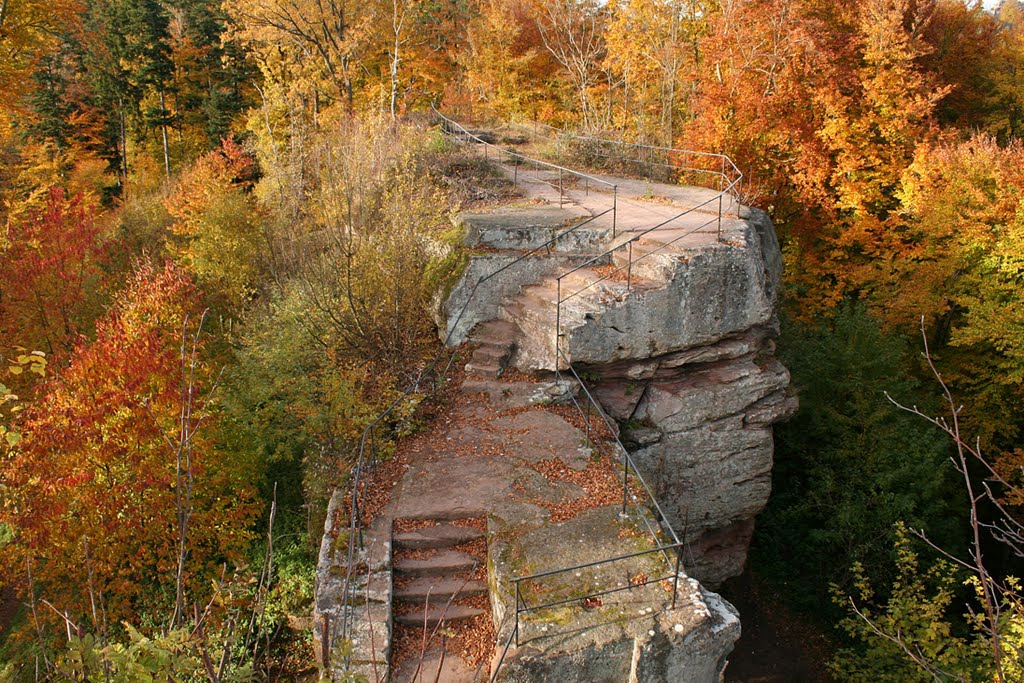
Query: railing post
(720,216)
(615,207)
(515,176)
(629,267)
(517,615)
(559,187)
(675,577)
(558,321)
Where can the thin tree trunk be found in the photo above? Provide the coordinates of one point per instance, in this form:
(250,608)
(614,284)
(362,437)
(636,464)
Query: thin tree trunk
(163,131)
(124,143)
(3,12)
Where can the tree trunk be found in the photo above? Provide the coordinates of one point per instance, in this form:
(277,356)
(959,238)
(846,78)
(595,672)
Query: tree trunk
(163,132)
(124,143)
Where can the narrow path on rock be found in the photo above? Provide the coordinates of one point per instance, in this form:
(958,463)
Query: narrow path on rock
(510,456)
(639,204)
(480,459)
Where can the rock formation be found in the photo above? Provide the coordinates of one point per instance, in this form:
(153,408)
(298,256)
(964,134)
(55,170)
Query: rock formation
(681,355)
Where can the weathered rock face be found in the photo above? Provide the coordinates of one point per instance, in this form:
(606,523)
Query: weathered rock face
(689,370)
(699,424)
(684,360)
(698,295)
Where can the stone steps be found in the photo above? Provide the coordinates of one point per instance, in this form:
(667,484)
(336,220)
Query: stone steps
(436,537)
(437,583)
(496,344)
(438,666)
(439,590)
(434,615)
(439,564)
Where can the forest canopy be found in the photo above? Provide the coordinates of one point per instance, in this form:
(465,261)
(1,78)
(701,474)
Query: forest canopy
(202,203)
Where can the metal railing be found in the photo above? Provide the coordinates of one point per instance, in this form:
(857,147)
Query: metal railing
(367,455)
(671,549)
(679,164)
(516,159)
(729,176)
(636,491)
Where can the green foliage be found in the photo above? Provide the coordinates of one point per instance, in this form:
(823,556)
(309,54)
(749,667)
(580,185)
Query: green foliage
(917,617)
(849,465)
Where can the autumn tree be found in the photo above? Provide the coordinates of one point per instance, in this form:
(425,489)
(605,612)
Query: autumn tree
(573,32)
(1007,76)
(97,464)
(50,276)
(217,234)
(321,42)
(505,65)
(653,45)
(28,31)
(959,261)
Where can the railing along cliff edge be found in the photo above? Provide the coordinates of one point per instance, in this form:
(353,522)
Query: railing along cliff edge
(368,453)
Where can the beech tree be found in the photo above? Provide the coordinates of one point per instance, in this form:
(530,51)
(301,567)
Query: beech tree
(573,32)
(50,276)
(97,464)
(217,232)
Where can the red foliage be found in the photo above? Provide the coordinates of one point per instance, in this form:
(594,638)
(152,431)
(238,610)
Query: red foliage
(95,461)
(53,261)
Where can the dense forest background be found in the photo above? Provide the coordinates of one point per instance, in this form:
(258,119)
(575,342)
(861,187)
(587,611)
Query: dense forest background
(221,224)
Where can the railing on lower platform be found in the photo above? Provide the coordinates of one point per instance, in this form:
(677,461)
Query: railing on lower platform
(367,455)
(636,492)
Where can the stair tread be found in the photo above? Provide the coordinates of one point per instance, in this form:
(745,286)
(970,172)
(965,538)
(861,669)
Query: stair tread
(433,615)
(438,536)
(438,666)
(492,353)
(439,588)
(444,562)
(495,332)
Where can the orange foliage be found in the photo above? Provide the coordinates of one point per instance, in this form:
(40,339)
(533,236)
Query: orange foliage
(49,273)
(95,463)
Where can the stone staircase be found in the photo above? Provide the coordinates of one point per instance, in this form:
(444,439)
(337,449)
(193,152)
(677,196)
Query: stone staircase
(439,587)
(495,342)
(587,294)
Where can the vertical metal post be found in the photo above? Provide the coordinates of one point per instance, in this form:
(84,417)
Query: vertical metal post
(558,321)
(721,184)
(615,207)
(559,187)
(629,267)
(720,216)
(675,577)
(517,615)
(650,163)
(515,177)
